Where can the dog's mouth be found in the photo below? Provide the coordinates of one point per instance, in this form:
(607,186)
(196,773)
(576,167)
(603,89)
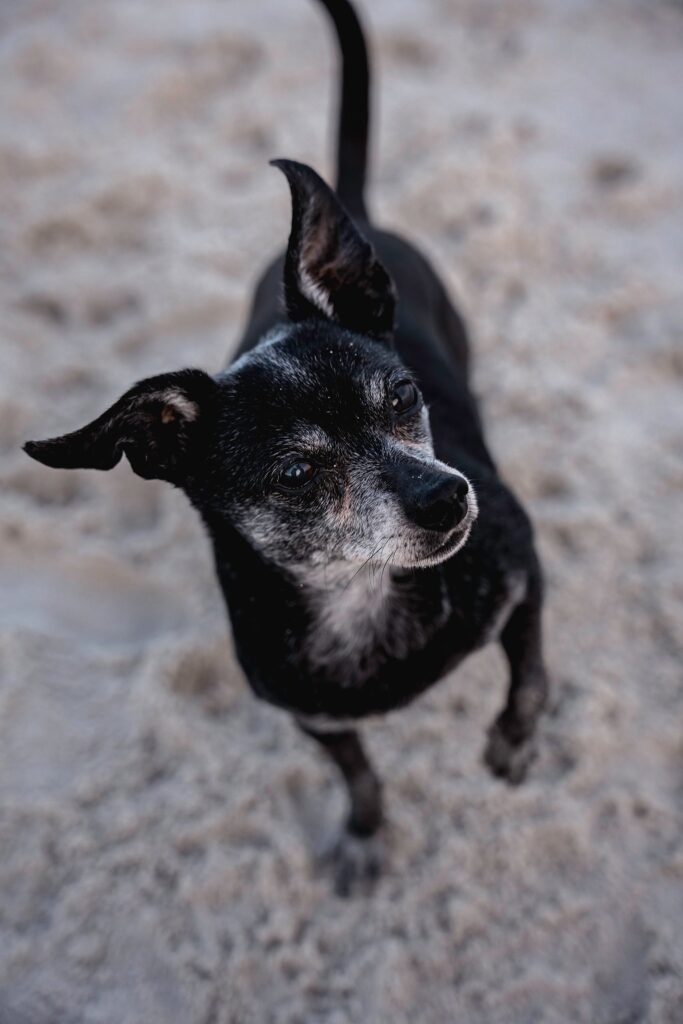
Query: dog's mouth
(455,539)
(446,549)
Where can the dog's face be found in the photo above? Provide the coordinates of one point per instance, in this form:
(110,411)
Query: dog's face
(315,445)
(325,454)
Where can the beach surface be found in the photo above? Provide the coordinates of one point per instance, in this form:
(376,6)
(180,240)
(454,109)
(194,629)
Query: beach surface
(158,824)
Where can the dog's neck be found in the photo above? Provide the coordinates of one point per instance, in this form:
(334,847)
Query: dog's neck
(361,616)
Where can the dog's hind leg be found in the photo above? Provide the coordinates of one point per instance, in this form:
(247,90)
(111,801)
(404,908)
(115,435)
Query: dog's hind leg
(355,856)
(510,750)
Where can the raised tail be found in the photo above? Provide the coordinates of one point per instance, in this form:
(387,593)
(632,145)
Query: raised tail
(354,104)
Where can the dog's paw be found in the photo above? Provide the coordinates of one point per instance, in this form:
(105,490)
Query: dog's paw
(354,862)
(507,760)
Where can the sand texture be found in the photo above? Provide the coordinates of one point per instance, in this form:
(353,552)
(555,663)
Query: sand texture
(157,823)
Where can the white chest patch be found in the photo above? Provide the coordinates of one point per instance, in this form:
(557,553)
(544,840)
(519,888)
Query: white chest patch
(351,617)
(361,617)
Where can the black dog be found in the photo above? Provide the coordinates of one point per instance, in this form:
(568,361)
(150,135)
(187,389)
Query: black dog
(356,562)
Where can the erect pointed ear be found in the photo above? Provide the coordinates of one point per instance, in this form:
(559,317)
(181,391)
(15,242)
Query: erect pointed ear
(331,270)
(155,425)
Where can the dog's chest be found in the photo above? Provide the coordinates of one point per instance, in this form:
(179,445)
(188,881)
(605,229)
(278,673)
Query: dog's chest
(348,621)
(359,622)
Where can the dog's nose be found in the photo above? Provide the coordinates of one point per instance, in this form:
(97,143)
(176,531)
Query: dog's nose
(431,498)
(444,506)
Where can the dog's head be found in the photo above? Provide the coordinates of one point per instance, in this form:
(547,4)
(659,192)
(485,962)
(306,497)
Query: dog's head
(316,444)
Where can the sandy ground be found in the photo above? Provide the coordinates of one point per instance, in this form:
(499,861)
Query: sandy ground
(157,823)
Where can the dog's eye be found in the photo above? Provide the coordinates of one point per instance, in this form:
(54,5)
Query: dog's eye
(297,474)
(404,397)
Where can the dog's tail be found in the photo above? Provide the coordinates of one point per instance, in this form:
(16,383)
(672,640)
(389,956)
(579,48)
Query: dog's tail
(354,106)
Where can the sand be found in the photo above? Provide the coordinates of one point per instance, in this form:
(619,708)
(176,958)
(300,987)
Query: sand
(158,824)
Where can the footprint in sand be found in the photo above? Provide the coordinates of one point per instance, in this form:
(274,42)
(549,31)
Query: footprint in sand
(47,489)
(93,600)
(15,418)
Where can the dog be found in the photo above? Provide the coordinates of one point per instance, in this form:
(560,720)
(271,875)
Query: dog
(363,539)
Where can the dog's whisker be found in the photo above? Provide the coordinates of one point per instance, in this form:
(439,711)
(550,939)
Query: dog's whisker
(362,566)
(381,578)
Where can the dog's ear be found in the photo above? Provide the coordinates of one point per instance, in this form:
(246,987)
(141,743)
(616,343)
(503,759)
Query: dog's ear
(330,269)
(156,425)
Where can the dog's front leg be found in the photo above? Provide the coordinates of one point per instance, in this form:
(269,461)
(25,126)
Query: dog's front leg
(510,750)
(355,856)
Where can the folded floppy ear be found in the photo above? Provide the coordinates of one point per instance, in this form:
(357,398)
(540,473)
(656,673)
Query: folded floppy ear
(155,425)
(330,269)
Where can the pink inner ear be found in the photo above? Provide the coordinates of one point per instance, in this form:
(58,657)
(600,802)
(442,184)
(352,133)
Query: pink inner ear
(330,266)
(315,293)
(178,405)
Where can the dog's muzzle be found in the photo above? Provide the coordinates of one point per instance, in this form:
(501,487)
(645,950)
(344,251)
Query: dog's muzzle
(430,497)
